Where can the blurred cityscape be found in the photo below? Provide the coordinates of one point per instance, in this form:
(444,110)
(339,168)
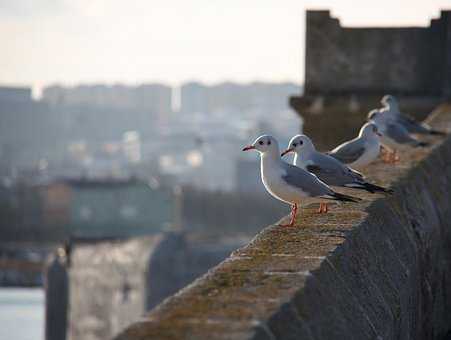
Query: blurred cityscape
(98,161)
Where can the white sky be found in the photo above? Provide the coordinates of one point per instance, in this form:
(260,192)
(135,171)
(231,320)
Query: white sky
(171,41)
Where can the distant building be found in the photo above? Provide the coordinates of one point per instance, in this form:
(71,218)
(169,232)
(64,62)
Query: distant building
(106,208)
(14,94)
(348,70)
(26,129)
(235,97)
(193,98)
(154,98)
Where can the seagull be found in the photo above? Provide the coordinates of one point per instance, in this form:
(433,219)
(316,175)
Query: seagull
(288,183)
(361,150)
(391,108)
(393,133)
(328,169)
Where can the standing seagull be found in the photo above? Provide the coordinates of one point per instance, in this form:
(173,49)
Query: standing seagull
(393,133)
(328,169)
(289,183)
(391,108)
(361,150)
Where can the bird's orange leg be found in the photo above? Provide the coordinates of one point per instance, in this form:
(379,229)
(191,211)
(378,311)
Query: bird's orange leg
(323,208)
(294,211)
(394,156)
(389,156)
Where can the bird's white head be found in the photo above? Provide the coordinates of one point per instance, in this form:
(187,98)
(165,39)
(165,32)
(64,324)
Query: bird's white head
(264,144)
(389,100)
(299,144)
(369,130)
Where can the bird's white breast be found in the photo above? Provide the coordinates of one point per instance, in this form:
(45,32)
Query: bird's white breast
(272,178)
(372,149)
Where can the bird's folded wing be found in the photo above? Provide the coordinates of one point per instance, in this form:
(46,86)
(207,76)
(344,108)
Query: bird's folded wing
(412,125)
(330,176)
(399,134)
(305,181)
(347,153)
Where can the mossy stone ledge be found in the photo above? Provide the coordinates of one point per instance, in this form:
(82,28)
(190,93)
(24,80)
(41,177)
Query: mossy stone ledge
(380,269)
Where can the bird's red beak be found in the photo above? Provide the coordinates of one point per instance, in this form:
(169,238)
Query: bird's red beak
(249,147)
(286,151)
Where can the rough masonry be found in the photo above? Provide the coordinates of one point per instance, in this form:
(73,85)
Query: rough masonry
(349,69)
(380,269)
(97,288)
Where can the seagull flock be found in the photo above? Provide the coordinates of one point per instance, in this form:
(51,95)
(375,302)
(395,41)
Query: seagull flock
(310,178)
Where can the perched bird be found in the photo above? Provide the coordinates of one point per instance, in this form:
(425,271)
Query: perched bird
(362,150)
(288,183)
(328,169)
(391,108)
(393,133)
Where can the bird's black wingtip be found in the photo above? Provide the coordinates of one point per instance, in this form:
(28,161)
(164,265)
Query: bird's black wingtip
(346,198)
(389,191)
(373,188)
(438,133)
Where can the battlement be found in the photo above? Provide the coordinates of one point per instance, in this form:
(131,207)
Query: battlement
(349,69)
(374,61)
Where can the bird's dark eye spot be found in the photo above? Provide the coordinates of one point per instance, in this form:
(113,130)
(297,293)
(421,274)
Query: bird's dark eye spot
(301,142)
(269,142)
(261,142)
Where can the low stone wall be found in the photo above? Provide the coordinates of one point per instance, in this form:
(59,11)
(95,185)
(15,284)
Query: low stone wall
(380,269)
(102,287)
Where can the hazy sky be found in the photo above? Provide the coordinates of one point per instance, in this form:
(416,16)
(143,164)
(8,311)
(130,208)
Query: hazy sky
(48,41)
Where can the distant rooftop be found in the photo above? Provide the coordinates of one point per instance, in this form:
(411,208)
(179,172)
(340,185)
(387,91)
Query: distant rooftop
(15,94)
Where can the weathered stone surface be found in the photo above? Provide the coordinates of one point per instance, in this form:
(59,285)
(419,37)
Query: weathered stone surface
(380,269)
(374,60)
(349,69)
(109,284)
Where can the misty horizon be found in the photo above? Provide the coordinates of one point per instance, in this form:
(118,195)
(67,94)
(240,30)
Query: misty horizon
(173,42)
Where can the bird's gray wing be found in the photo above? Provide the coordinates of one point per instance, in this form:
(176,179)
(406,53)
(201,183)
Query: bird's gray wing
(412,125)
(305,181)
(348,152)
(330,170)
(399,134)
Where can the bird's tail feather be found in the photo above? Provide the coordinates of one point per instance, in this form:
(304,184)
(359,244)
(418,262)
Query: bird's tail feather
(437,133)
(345,198)
(372,188)
(375,188)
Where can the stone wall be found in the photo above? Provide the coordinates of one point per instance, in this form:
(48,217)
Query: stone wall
(348,70)
(363,60)
(99,288)
(380,269)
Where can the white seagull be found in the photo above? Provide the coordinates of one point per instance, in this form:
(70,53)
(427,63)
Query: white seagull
(328,169)
(362,150)
(391,108)
(393,133)
(288,183)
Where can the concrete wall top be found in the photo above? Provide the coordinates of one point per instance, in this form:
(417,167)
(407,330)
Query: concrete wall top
(374,270)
